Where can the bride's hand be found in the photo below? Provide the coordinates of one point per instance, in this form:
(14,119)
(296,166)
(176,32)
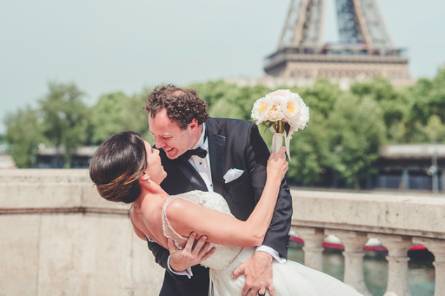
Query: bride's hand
(277,165)
(194,252)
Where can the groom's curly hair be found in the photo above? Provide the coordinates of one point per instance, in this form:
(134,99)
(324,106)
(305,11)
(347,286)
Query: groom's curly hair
(182,105)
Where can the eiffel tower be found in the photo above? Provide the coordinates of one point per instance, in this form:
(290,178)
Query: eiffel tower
(364,50)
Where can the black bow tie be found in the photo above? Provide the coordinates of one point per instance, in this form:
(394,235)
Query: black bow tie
(197,151)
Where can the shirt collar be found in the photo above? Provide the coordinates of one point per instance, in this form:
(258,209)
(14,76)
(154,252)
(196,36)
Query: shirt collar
(202,142)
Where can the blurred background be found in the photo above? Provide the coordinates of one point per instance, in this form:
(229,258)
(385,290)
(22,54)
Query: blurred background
(72,73)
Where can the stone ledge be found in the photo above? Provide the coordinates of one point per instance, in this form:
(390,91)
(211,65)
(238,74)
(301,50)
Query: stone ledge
(64,190)
(370,212)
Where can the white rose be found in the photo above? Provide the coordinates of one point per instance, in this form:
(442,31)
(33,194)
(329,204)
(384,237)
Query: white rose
(260,109)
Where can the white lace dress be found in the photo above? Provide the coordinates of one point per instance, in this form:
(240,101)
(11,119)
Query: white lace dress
(290,278)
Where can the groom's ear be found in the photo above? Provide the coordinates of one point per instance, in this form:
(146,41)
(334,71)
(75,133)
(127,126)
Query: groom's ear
(193,124)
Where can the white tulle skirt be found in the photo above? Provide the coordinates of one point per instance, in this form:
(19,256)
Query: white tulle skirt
(290,278)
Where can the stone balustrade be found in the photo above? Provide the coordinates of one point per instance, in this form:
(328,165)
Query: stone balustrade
(397,221)
(59,238)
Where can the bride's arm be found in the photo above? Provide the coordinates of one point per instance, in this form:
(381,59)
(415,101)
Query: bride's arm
(187,217)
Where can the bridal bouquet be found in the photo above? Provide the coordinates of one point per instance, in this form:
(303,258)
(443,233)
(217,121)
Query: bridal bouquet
(284,112)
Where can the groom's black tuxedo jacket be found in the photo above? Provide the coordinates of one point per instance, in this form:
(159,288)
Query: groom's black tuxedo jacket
(232,144)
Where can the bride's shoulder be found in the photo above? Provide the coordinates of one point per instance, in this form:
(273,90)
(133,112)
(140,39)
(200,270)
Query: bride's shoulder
(202,194)
(191,194)
(201,197)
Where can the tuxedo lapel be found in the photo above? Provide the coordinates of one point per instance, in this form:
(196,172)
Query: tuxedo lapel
(217,147)
(191,174)
(181,176)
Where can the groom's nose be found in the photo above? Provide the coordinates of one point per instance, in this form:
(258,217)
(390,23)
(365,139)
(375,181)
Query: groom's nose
(159,143)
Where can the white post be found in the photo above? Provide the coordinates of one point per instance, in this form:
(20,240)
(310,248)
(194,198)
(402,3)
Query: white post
(397,264)
(437,247)
(313,249)
(353,243)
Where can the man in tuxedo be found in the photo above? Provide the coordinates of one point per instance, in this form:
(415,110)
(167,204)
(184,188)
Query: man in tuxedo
(227,156)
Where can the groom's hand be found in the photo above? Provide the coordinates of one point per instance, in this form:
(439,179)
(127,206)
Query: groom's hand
(258,274)
(193,253)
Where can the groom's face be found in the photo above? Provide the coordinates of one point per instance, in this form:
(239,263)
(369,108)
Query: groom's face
(170,137)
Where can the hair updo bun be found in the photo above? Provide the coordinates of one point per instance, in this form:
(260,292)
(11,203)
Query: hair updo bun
(116,166)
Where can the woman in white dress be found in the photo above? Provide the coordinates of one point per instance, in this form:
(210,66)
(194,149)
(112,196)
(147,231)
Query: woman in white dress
(126,169)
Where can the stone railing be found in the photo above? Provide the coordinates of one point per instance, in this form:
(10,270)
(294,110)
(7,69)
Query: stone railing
(59,238)
(397,221)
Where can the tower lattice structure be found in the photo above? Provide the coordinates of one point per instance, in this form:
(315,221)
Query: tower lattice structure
(364,49)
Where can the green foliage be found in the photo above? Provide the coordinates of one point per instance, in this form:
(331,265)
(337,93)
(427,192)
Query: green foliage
(428,96)
(356,131)
(394,103)
(229,100)
(338,148)
(117,112)
(23,135)
(214,91)
(65,118)
(432,132)
(309,153)
(320,97)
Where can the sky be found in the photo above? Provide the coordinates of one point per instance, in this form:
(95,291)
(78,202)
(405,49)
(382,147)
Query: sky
(108,45)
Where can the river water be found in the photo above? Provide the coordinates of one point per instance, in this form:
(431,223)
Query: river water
(420,275)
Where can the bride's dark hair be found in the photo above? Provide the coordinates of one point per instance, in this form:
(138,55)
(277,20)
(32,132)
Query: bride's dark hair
(116,166)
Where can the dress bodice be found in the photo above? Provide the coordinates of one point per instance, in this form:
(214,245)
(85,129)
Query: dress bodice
(289,278)
(223,255)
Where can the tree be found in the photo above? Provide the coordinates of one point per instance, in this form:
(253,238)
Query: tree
(214,91)
(117,112)
(432,132)
(229,100)
(356,131)
(428,96)
(65,118)
(394,103)
(320,97)
(23,136)
(309,152)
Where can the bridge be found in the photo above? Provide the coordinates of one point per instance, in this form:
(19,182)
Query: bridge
(59,238)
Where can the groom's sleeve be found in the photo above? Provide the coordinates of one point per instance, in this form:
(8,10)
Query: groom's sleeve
(161,257)
(161,254)
(257,154)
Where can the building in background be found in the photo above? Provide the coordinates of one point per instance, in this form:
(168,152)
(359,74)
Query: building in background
(411,166)
(364,51)
(49,157)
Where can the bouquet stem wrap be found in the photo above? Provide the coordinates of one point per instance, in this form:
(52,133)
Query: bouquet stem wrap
(277,141)
(280,137)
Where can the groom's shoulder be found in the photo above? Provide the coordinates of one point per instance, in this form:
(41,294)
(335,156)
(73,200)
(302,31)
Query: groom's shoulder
(230,124)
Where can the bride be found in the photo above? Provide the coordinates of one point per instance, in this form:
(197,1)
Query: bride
(126,169)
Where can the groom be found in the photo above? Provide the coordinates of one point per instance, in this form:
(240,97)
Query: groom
(226,156)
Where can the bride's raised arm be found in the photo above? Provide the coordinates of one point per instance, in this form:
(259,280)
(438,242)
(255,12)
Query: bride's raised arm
(187,217)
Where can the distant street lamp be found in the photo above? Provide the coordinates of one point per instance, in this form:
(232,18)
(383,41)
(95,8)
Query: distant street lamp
(433,171)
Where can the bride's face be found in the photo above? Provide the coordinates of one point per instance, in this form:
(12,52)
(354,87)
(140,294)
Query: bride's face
(155,169)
